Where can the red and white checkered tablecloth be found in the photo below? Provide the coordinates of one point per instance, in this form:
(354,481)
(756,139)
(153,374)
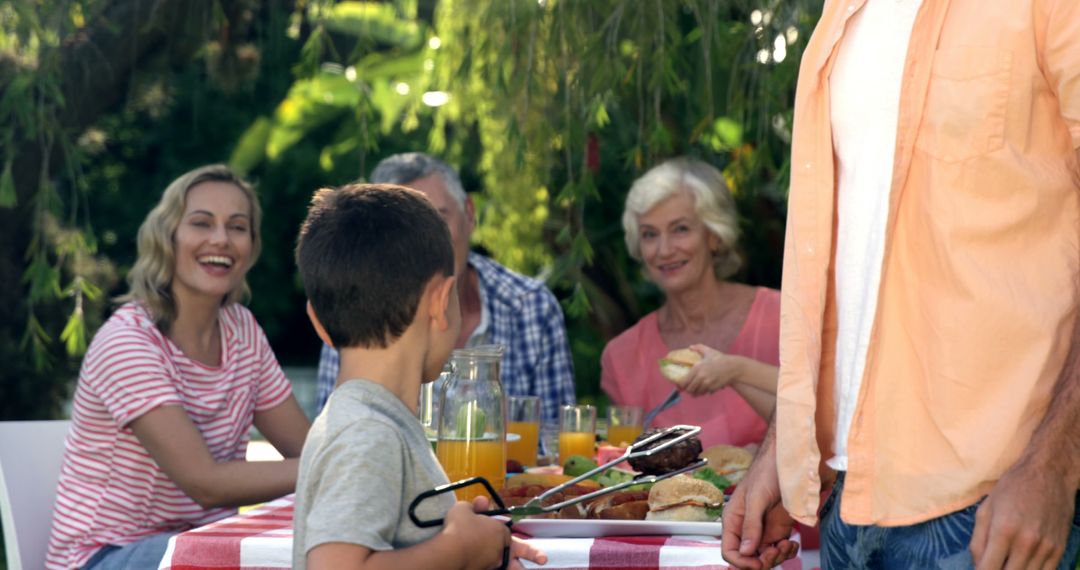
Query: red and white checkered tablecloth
(261,539)
(667,552)
(258,539)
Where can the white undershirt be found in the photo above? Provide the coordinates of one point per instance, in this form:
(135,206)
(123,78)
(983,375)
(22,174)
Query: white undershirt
(864,102)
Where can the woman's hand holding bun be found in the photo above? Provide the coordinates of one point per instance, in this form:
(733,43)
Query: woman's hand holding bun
(715,371)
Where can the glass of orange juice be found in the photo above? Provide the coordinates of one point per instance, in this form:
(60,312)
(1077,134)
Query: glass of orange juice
(624,424)
(577,432)
(523,413)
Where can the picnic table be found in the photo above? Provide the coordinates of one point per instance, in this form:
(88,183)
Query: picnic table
(261,538)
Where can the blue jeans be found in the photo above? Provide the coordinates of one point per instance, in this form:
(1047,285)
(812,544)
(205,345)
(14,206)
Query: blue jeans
(940,543)
(146,553)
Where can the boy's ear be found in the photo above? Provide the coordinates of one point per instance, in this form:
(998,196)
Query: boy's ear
(470,215)
(440,301)
(319,329)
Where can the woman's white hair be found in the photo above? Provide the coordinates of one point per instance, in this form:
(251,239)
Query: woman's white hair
(712,202)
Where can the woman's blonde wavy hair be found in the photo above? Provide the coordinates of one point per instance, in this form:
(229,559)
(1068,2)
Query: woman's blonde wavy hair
(150,280)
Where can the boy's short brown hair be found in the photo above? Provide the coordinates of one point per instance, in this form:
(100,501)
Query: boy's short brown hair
(366,252)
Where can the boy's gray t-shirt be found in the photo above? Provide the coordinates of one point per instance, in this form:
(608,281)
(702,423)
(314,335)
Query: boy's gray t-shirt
(365,459)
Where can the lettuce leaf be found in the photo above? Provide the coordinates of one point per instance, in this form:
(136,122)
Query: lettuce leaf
(710,475)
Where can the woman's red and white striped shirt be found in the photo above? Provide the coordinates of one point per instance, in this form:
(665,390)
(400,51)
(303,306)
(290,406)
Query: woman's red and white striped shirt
(111,491)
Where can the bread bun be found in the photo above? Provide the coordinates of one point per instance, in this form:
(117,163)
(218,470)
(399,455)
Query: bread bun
(684,513)
(680,489)
(729,461)
(687,497)
(620,505)
(678,363)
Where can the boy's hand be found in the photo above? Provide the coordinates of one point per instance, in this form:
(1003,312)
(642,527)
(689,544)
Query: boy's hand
(518,548)
(481,538)
(521,550)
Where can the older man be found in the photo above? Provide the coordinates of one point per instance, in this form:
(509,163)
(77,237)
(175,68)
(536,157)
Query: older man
(498,306)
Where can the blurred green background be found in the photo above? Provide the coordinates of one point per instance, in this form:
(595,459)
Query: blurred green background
(550,108)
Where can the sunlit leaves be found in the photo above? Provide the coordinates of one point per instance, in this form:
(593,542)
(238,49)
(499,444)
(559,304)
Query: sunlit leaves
(584,96)
(73,244)
(374,20)
(311,54)
(388,66)
(74,334)
(310,103)
(251,148)
(366,93)
(81,287)
(725,135)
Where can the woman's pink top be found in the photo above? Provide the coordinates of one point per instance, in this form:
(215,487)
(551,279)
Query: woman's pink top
(631,375)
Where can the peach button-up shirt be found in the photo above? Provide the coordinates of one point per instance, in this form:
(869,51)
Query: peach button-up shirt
(981,269)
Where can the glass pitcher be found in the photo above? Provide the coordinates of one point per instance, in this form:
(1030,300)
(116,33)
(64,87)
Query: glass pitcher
(472,420)
(428,411)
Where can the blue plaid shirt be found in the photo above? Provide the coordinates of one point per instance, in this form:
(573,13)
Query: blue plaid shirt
(524,317)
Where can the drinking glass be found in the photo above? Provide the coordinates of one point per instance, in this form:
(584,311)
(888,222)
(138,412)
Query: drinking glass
(577,432)
(624,425)
(523,414)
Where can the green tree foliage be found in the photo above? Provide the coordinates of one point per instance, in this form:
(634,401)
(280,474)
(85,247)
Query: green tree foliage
(550,108)
(570,101)
(77,77)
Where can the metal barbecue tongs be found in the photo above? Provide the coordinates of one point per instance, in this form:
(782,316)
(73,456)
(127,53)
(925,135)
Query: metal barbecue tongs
(641,448)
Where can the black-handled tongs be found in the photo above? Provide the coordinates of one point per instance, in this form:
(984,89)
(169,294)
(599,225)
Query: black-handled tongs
(535,505)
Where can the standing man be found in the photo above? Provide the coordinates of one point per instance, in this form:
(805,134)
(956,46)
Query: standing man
(498,306)
(930,361)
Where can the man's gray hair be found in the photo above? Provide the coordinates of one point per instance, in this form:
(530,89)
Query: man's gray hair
(409,166)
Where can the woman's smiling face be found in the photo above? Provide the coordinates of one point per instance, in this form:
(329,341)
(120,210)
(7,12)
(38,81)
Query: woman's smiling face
(676,247)
(213,242)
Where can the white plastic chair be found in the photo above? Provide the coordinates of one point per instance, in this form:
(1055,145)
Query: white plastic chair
(30,456)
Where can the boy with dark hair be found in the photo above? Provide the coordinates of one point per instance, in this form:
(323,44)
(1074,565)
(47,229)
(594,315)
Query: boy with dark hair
(378,267)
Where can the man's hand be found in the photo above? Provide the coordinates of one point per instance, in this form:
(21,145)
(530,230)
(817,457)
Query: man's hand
(1025,521)
(757,529)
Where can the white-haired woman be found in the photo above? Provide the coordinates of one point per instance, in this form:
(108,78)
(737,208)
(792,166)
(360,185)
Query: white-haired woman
(170,387)
(681,223)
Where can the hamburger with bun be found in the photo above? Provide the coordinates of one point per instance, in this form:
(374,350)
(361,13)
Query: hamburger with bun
(678,363)
(729,461)
(685,499)
(620,505)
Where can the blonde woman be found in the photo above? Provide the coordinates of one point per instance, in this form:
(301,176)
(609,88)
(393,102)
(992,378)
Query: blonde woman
(171,386)
(681,224)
